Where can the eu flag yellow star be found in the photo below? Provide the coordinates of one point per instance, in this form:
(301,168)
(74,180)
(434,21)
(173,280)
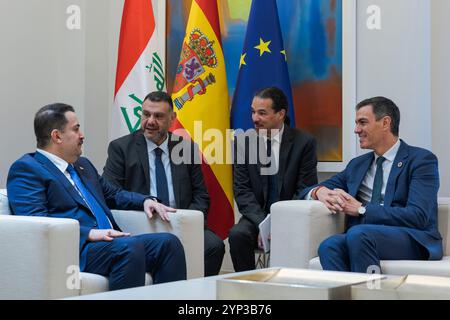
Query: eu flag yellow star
(283,52)
(242,62)
(263,47)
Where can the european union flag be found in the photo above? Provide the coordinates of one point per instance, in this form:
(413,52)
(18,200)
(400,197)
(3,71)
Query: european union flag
(263,63)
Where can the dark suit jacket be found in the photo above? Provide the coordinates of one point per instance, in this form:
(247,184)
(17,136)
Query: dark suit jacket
(36,187)
(410,199)
(127,166)
(297,170)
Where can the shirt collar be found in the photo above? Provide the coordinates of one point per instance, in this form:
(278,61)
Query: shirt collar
(391,153)
(57,161)
(277,137)
(164,146)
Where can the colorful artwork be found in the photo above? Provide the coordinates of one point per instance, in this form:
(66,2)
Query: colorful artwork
(312,34)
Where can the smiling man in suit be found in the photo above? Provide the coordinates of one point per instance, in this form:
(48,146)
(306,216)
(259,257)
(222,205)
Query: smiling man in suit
(56,182)
(272,163)
(155,161)
(389,197)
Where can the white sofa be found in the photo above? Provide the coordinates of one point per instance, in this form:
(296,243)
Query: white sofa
(298,227)
(39,256)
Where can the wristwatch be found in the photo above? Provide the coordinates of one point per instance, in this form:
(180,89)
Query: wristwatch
(362,210)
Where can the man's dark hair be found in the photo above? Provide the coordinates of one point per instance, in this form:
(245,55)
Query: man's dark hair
(158,96)
(49,118)
(382,107)
(279,100)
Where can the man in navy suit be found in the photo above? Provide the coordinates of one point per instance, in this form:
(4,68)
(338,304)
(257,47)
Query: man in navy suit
(56,182)
(389,197)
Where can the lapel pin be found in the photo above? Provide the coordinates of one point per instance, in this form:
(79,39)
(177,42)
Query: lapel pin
(400,164)
(81,168)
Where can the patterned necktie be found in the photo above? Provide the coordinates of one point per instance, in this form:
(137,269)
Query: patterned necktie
(96,209)
(272,194)
(161,180)
(377,182)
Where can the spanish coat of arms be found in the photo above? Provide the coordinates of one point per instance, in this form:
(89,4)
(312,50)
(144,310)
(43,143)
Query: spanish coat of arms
(195,56)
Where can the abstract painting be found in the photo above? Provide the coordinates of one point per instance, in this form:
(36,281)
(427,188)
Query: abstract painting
(312,34)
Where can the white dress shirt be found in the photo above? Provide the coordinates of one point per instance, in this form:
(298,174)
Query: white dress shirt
(58,162)
(165,158)
(276,145)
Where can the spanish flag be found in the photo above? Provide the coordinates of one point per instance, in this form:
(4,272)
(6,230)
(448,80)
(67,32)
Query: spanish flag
(200,95)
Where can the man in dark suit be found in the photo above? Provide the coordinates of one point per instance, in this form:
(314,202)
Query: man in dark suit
(273,163)
(133,165)
(56,182)
(389,197)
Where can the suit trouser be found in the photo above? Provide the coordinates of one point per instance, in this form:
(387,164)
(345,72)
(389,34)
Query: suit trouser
(214,252)
(364,245)
(243,239)
(126,260)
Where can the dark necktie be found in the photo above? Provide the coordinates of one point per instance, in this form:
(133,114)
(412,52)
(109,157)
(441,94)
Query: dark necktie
(377,182)
(272,194)
(96,209)
(161,179)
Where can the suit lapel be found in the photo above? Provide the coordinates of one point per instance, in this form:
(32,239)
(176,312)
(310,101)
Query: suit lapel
(256,149)
(397,167)
(141,149)
(175,170)
(60,177)
(285,149)
(360,174)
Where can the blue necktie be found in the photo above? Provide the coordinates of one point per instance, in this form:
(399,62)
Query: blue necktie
(161,179)
(377,182)
(272,194)
(96,209)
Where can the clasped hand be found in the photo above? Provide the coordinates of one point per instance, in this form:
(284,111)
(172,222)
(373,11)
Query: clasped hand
(338,201)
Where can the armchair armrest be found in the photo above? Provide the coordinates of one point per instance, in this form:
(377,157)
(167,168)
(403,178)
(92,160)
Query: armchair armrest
(297,229)
(36,253)
(187,225)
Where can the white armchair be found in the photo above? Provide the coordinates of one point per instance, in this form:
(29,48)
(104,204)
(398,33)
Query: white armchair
(39,256)
(298,227)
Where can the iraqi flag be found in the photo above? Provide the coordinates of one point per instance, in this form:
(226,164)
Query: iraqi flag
(140,63)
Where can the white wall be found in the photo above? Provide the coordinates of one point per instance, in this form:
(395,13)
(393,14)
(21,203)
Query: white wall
(395,62)
(41,62)
(440,73)
(102,26)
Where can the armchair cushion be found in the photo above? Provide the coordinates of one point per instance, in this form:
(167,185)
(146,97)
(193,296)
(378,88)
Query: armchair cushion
(297,228)
(4,204)
(187,225)
(91,283)
(36,254)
